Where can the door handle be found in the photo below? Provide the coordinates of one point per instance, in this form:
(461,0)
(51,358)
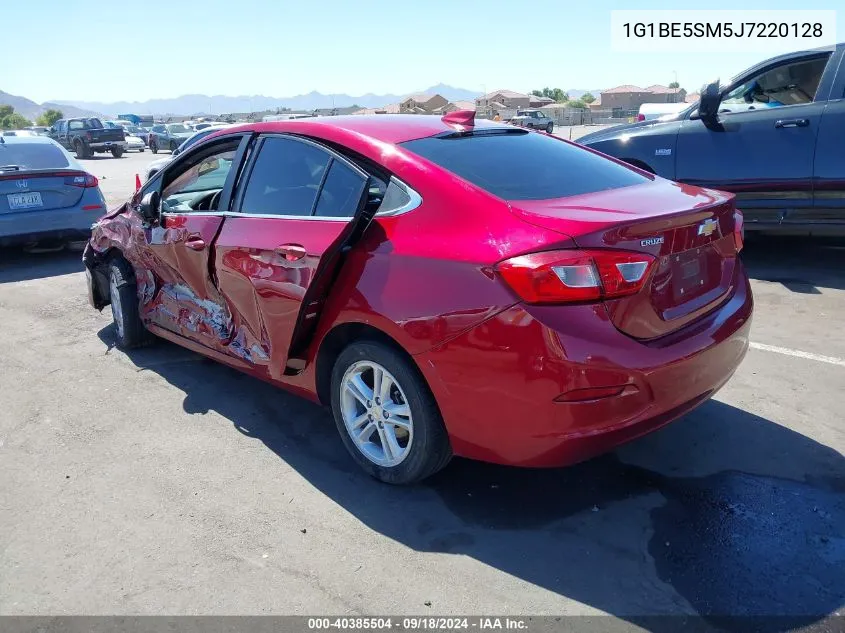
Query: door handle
(780,123)
(291,252)
(195,243)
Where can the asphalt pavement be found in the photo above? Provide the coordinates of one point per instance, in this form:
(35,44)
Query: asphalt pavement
(157,482)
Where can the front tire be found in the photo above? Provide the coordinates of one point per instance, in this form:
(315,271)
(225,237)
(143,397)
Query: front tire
(153,147)
(173,147)
(550,128)
(124,305)
(386,415)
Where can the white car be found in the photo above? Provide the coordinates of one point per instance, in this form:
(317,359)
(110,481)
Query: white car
(134,142)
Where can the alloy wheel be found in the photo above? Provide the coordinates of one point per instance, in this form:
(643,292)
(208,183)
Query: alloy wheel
(116,307)
(376,413)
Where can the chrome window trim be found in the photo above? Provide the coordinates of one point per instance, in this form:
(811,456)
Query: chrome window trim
(414,202)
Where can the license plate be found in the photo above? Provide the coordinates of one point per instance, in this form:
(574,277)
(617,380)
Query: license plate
(689,275)
(31,200)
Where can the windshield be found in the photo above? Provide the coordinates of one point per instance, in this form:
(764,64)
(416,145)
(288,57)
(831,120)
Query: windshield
(177,128)
(522,165)
(32,156)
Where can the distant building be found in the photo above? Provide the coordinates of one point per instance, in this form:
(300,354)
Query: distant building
(501,100)
(391,108)
(538,102)
(452,106)
(630,98)
(422,104)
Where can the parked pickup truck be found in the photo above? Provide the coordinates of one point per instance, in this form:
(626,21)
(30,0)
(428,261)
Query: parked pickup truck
(773,135)
(87,136)
(534,119)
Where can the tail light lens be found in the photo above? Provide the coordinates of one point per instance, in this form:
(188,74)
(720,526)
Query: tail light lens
(573,276)
(640,117)
(739,230)
(82,180)
(87,135)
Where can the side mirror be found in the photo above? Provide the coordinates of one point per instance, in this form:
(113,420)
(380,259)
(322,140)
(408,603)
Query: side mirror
(175,152)
(708,105)
(150,207)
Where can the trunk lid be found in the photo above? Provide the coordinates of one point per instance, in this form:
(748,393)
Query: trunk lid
(689,230)
(33,191)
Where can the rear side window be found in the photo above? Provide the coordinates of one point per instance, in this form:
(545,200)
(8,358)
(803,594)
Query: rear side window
(519,165)
(32,156)
(285,179)
(341,192)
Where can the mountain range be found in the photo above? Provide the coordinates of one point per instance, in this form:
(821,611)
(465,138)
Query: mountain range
(223,104)
(31,110)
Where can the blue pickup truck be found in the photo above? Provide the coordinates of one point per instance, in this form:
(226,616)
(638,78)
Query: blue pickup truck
(774,136)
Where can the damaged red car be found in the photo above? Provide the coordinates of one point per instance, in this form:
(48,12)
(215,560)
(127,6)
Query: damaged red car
(447,286)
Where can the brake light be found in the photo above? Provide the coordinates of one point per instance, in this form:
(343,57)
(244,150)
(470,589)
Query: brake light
(82,180)
(739,230)
(576,275)
(87,135)
(640,117)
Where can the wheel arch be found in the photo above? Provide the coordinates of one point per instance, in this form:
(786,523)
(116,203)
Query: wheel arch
(338,338)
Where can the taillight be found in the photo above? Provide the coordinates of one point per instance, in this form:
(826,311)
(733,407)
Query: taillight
(576,275)
(739,230)
(82,180)
(87,136)
(640,117)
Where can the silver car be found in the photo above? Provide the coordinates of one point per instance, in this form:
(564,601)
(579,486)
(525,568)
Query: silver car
(45,195)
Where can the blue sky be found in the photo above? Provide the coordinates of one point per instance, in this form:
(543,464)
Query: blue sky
(166,48)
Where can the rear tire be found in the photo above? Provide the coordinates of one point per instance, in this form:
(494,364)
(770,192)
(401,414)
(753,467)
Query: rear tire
(123,296)
(173,147)
(153,147)
(117,152)
(80,149)
(418,423)
(141,150)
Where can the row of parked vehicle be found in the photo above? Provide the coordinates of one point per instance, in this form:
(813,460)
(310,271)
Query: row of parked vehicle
(286,250)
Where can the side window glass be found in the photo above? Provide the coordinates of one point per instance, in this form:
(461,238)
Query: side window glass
(198,183)
(790,84)
(341,192)
(395,198)
(76,125)
(285,179)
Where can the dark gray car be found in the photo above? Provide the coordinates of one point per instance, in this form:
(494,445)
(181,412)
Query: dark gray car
(45,195)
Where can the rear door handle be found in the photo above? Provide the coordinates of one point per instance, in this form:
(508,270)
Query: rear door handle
(792,123)
(291,252)
(195,243)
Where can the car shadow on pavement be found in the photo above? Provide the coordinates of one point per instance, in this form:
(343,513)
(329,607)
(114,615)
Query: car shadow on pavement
(18,265)
(723,513)
(802,265)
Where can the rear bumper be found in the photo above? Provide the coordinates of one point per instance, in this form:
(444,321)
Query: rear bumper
(107,145)
(497,383)
(64,224)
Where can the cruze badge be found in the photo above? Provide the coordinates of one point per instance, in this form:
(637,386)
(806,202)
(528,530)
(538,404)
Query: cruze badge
(652,241)
(707,227)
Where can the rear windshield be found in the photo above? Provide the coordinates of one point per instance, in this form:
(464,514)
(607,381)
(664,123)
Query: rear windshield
(32,156)
(521,165)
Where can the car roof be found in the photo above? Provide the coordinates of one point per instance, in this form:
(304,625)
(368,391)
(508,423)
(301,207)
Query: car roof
(387,128)
(44,140)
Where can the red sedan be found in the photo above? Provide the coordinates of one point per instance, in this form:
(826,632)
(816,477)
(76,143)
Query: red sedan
(447,286)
